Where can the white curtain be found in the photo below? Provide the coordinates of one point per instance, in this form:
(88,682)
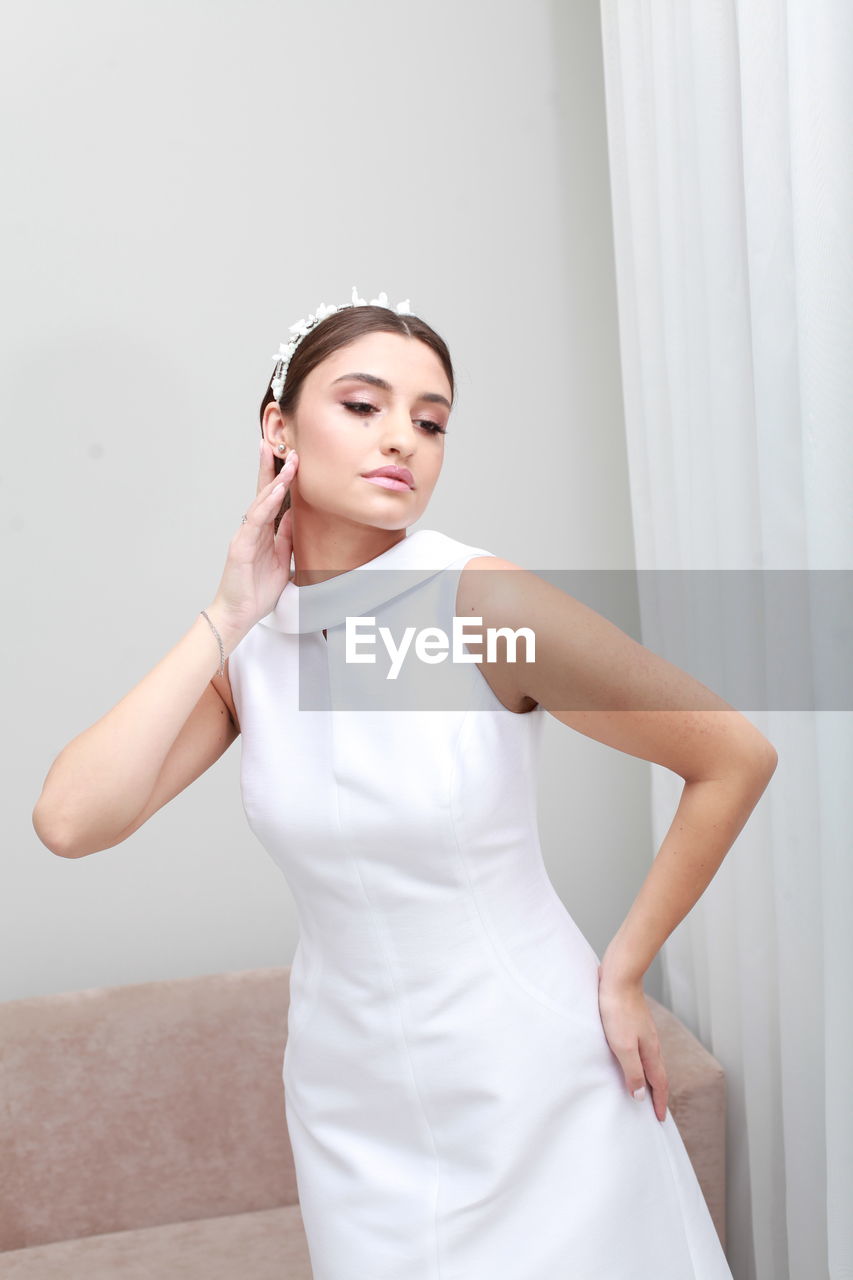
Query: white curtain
(729,135)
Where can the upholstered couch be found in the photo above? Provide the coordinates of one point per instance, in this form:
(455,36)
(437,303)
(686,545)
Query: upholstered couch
(143,1133)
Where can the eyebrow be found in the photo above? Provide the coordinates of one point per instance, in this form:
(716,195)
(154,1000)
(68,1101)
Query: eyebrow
(374,381)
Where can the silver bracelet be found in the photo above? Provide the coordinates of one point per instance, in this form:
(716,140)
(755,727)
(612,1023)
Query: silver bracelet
(221,670)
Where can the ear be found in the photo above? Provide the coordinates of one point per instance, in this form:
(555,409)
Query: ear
(275,425)
(273,419)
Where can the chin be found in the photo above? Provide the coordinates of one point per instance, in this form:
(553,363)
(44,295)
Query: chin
(390,525)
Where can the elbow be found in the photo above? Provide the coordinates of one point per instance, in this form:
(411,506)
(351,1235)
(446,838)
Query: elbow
(51,835)
(768,758)
(757,753)
(753,757)
(759,762)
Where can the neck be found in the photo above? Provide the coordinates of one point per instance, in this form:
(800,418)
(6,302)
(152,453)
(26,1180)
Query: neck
(321,541)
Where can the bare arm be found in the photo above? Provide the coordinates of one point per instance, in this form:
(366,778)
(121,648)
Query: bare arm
(709,817)
(101,782)
(174,723)
(596,679)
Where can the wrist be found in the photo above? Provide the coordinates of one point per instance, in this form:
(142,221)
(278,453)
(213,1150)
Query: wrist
(615,971)
(230,629)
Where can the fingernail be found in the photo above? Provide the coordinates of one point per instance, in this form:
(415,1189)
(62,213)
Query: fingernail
(640,1093)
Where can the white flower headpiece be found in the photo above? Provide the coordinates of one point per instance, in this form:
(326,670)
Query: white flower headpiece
(302,327)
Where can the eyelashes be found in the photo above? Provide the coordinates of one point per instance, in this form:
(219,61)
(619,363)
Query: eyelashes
(432,428)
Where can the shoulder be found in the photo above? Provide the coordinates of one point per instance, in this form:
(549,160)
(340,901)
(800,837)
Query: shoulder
(505,594)
(493,590)
(490,586)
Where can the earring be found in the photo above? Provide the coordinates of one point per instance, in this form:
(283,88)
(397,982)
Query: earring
(282,446)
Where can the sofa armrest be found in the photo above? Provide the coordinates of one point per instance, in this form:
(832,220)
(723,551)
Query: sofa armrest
(140,1105)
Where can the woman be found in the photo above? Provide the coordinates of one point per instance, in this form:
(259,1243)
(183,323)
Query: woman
(465,1082)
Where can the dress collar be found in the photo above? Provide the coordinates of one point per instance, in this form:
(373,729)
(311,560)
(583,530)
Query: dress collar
(321,605)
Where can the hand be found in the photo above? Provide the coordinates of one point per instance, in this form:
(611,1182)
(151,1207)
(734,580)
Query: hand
(258,566)
(632,1035)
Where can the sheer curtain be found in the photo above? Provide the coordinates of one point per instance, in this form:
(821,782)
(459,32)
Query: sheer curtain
(732,191)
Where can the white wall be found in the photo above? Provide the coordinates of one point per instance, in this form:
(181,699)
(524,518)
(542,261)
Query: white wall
(182,182)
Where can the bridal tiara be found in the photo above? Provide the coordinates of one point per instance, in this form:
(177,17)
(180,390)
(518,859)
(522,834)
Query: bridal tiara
(286,349)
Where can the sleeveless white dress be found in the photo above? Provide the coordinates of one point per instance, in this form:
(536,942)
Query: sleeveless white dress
(454,1108)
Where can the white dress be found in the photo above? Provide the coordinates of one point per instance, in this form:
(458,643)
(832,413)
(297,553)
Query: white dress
(454,1108)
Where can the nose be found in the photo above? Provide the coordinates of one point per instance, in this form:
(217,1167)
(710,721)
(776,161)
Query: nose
(399,433)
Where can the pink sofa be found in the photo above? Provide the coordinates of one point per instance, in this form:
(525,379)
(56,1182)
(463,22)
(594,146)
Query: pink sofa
(143,1132)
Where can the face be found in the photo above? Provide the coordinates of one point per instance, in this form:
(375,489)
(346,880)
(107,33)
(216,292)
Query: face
(345,427)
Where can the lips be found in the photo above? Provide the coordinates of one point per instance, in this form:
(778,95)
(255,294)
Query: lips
(402,474)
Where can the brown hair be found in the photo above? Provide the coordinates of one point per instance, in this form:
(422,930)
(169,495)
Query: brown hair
(335,331)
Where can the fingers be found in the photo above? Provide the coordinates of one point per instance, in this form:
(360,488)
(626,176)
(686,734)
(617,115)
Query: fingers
(633,1039)
(284,538)
(266,467)
(288,471)
(635,1076)
(262,466)
(271,494)
(638,1051)
(283,477)
(647,1065)
(656,1076)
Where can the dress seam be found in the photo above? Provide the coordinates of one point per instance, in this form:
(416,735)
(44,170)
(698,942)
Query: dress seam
(390,969)
(503,960)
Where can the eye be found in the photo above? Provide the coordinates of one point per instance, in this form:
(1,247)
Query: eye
(433,428)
